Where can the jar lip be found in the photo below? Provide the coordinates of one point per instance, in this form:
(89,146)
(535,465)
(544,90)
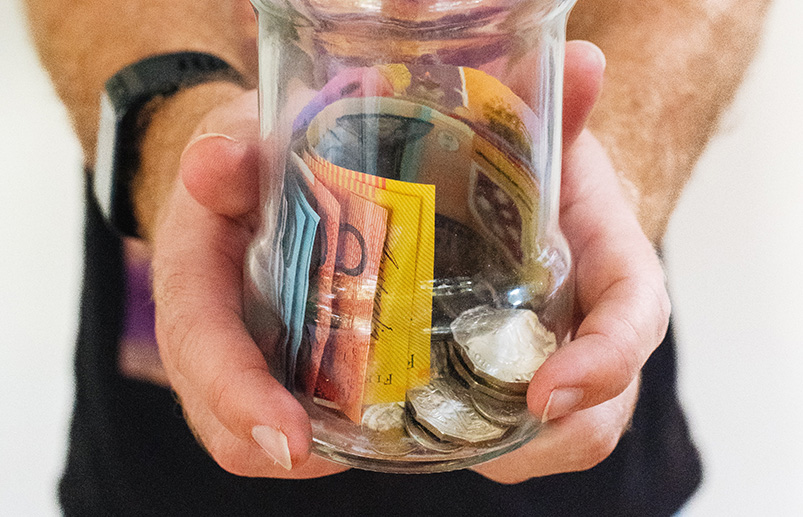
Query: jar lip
(416,14)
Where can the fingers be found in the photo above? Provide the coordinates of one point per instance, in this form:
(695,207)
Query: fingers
(576,442)
(210,358)
(621,295)
(584,67)
(219,167)
(243,457)
(199,324)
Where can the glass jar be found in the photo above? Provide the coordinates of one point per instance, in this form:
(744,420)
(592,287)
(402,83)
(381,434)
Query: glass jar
(409,246)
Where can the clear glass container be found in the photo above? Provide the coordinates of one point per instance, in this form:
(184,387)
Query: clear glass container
(409,249)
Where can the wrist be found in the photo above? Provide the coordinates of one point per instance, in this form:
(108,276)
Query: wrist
(169,125)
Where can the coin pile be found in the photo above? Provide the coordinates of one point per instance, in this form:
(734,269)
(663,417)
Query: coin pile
(446,415)
(493,354)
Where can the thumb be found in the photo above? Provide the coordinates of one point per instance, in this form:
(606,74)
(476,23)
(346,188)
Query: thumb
(583,73)
(217,369)
(221,173)
(583,70)
(220,166)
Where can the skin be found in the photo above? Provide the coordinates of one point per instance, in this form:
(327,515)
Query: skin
(672,67)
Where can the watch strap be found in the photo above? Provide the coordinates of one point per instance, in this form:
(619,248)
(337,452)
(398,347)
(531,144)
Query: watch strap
(126,93)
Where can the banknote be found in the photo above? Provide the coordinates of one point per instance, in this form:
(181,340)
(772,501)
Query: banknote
(297,244)
(475,173)
(406,296)
(379,136)
(319,305)
(342,375)
(400,343)
(349,82)
(453,129)
(505,118)
(473,96)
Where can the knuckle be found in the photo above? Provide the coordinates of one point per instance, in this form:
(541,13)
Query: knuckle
(623,350)
(176,328)
(170,285)
(653,294)
(218,393)
(664,307)
(177,337)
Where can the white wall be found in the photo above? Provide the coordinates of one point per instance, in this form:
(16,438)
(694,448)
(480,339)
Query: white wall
(735,260)
(734,253)
(40,225)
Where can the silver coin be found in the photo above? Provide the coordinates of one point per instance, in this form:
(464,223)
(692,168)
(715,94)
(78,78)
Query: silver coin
(426,439)
(383,424)
(503,346)
(383,417)
(487,379)
(476,384)
(445,410)
(500,412)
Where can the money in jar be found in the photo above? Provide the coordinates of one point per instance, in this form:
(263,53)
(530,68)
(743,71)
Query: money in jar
(407,274)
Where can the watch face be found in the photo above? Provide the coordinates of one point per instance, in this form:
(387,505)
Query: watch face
(104,155)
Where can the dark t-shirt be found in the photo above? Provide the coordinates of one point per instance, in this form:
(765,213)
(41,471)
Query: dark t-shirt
(131,452)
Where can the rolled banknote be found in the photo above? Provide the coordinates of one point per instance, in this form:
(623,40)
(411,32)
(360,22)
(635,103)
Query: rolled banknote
(341,380)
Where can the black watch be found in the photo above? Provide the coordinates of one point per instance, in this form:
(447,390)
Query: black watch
(117,158)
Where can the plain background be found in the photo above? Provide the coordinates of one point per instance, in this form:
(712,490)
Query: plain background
(734,255)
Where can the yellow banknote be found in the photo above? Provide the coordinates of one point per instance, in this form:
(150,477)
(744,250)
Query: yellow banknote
(400,352)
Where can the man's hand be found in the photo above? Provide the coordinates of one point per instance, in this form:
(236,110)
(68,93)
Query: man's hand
(586,392)
(236,409)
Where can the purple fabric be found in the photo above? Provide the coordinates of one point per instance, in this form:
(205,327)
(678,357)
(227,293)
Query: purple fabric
(139,307)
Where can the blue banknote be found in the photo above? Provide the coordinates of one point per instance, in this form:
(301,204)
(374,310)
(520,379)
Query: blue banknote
(297,245)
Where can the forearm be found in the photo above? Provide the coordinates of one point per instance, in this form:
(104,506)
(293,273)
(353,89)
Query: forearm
(84,42)
(673,66)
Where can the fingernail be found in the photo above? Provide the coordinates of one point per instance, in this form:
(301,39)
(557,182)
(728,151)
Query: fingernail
(562,401)
(206,136)
(273,442)
(600,55)
(597,52)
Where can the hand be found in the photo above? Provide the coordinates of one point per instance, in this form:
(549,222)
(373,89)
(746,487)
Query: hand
(246,420)
(586,391)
